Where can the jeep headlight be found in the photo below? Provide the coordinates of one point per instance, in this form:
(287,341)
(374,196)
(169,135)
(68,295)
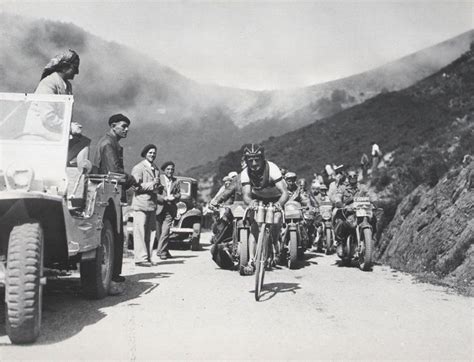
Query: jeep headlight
(181,208)
(19,178)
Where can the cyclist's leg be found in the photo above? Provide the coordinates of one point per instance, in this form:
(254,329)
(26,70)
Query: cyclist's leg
(253,237)
(276,233)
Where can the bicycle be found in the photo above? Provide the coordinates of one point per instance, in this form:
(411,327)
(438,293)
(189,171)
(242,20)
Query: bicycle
(265,218)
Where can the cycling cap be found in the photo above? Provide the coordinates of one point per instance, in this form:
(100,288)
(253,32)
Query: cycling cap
(290,175)
(323,187)
(254,150)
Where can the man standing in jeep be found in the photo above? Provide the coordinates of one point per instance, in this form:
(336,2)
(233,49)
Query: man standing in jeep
(109,158)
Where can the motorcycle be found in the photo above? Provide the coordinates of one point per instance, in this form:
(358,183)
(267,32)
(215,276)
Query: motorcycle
(359,244)
(310,224)
(325,232)
(294,240)
(231,229)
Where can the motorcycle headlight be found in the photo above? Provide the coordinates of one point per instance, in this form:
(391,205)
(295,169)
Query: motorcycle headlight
(326,215)
(181,206)
(19,178)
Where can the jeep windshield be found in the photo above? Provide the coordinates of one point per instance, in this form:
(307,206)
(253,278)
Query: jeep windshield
(34,134)
(32,117)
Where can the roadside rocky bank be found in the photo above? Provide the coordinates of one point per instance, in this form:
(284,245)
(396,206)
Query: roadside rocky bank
(432,232)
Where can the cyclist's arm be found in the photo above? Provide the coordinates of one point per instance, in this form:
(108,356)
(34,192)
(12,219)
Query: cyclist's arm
(281,186)
(247,194)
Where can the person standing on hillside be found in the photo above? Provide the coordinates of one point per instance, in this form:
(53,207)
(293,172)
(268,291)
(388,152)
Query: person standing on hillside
(364,165)
(376,155)
(167,210)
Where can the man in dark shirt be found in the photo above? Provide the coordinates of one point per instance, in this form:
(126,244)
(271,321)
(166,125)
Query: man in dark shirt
(109,158)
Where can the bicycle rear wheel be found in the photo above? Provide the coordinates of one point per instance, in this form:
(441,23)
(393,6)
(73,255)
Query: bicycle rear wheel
(260,259)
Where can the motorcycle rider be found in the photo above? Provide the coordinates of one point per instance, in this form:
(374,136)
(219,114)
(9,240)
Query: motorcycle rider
(319,193)
(343,198)
(290,179)
(261,181)
(230,194)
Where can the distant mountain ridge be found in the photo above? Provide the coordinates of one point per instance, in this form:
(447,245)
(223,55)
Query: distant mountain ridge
(398,121)
(190,122)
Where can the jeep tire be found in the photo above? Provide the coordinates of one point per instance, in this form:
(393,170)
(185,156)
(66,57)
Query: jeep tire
(96,274)
(23,287)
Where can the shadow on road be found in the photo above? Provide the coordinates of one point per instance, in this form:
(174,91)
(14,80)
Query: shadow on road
(307,260)
(271,289)
(66,312)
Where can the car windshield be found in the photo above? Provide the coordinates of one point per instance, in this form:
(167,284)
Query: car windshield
(33,120)
(185,188)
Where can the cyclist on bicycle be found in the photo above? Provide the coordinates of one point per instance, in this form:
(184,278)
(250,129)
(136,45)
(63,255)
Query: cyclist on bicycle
(261,181)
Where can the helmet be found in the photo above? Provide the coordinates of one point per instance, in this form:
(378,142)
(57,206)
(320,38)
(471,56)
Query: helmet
(290,175)
(254,150)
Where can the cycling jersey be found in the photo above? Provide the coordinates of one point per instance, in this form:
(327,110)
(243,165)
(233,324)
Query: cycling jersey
(263,185)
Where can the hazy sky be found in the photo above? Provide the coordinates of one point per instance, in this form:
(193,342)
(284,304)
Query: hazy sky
(265,44)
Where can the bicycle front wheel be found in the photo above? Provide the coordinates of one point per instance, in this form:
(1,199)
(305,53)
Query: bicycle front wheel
(260,259)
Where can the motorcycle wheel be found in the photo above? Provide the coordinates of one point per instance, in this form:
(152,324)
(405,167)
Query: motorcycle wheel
(328,241)
(244,248)
(346,252)
(365,257)
(293,250)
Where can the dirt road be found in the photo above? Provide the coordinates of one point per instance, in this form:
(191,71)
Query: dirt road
(187,308)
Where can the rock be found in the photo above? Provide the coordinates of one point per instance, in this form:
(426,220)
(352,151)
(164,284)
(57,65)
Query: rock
(433,231)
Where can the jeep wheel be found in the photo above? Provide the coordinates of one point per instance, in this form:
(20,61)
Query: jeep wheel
(23,287)
(195,241)
(96,274)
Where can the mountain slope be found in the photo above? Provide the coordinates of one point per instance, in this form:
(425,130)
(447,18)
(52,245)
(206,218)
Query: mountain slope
(190,122)
(397,121)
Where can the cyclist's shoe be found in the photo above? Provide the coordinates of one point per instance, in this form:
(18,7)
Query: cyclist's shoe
(277,259)
(249,269)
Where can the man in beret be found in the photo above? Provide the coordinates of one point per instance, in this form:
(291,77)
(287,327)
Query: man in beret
(166,210)
(109,158)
